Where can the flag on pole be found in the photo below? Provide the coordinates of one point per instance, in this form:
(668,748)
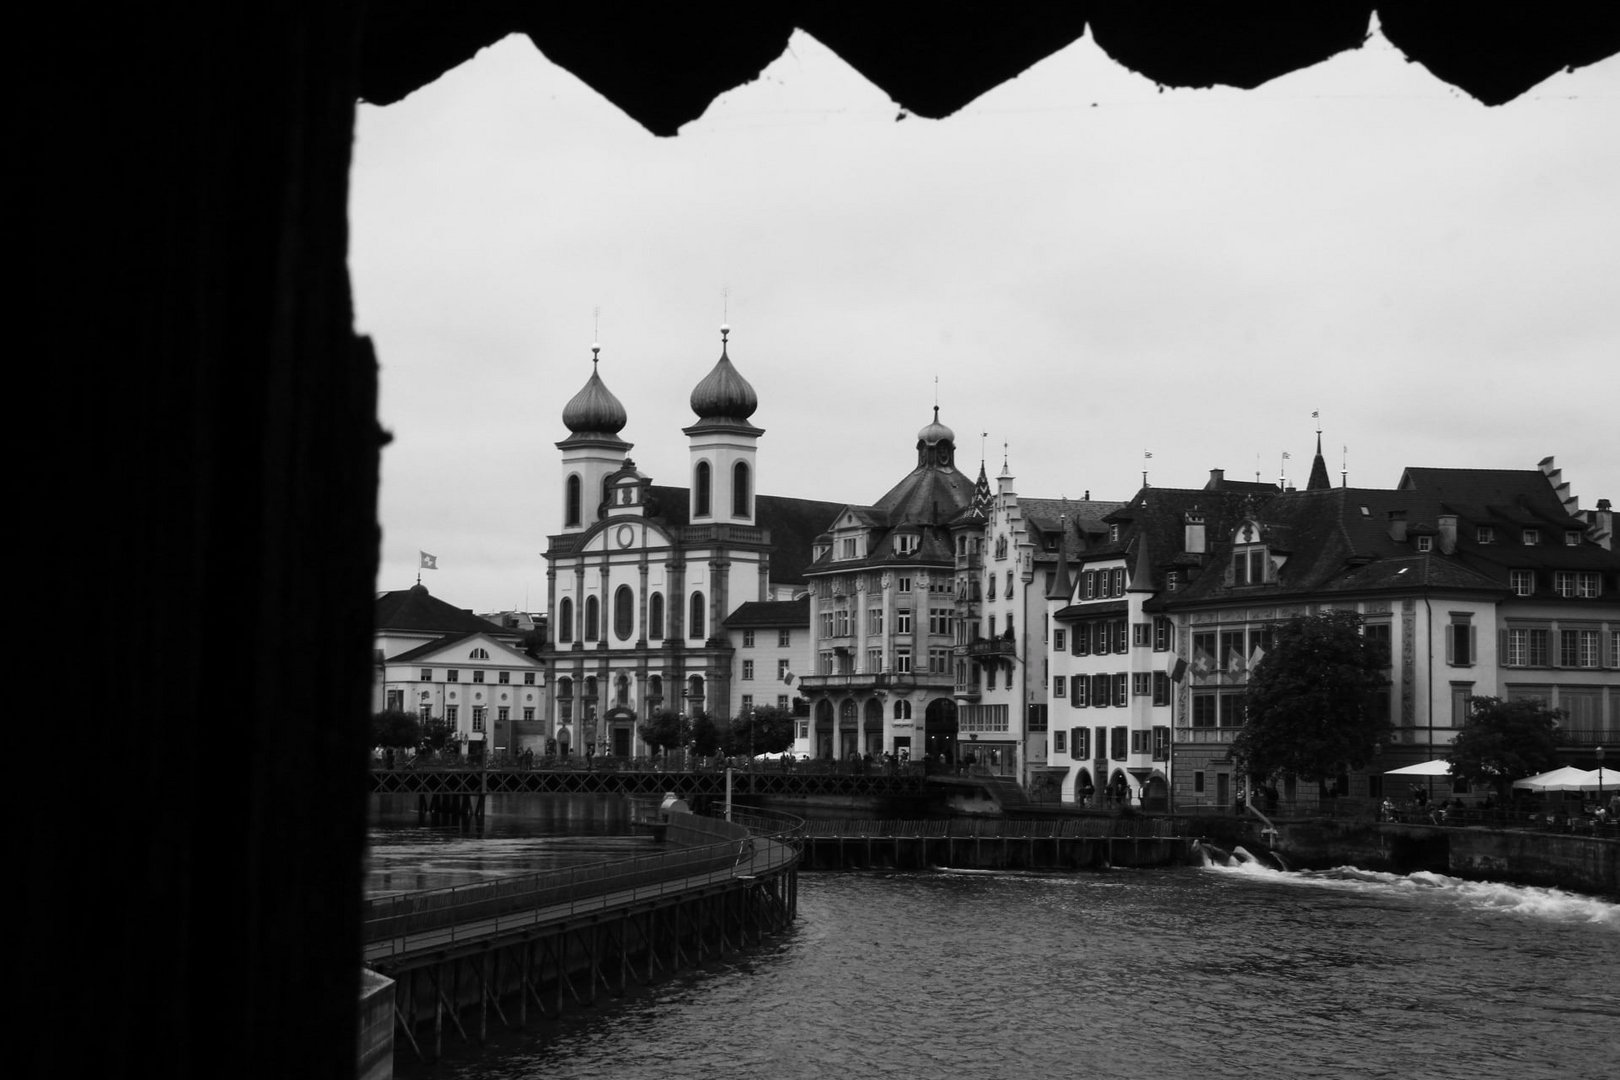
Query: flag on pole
(1234,663)
(1256,656)
(429,562)
(787,676)
(1316,414)
(1179,672)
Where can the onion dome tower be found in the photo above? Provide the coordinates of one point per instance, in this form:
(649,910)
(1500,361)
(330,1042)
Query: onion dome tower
(723,444)
(593,449)
(934,491)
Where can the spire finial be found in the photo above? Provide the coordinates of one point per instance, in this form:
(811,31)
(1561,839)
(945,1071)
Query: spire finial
(1003,455)
(595,359)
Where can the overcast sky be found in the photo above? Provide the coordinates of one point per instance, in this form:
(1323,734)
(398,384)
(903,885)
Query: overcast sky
(1092,269)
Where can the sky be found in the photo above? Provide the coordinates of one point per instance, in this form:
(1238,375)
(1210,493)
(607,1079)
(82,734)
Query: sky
(1080,268)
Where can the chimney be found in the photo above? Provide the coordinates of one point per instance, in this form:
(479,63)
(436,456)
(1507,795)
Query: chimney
(1217,480)
(1397,526)
(1194,543)
(1448,533)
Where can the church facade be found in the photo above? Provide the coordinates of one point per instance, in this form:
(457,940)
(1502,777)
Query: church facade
(642,577)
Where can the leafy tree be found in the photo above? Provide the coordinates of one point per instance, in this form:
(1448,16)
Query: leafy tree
(1501,741)
(436,733)
(705,735)
(393,727)
(665,730)
(766,730)
(1309,710)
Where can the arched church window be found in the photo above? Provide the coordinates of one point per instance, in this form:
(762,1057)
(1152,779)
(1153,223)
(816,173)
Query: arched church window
(624,612)
(571,501)
(695,623)
(565,621)
(701,484)
(655,617)
(593,617)
(741,494)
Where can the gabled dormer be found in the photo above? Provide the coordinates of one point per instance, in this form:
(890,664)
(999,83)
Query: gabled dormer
(1252,562)
(626,492)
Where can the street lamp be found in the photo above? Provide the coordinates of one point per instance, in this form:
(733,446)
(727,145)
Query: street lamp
(1600,775)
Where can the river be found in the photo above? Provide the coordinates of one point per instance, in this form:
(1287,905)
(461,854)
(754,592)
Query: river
(1221,971)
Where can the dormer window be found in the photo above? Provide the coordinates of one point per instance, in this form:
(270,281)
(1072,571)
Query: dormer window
(1425,543)
(1113,534)
(1250,562)
(478,654)
(1572,538)
(849,548)
(1485,535)
(905,544)
(1532,537)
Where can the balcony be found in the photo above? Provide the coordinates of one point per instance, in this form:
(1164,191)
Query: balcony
(989,648)
(895,681)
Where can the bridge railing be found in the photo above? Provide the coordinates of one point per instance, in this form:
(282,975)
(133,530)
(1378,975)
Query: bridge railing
(407,914)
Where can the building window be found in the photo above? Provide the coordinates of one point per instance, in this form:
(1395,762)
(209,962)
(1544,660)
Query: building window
(1161,634)
(1141,635)
(528,714)
(782,702)
(1526,647)
(1379,640)
(1058,641)
(1203,710)
(1161,688)
(695,622)
(1079,695)
(741,491)
(427,675)
(902,621)
(784,639)
(1485,535)
(748,639)
(748,671)
(503,714)
(1523,582)
(565,621)
(1141,683)
(1425,543)
(1572,538)
(874,620)
(939,661)
(478,654)
(841,622)
(528,678)
(1119,743)
(1564,584)
(902,584)
(939,621)
(1198,783)
(702,484)
(747,703)
(1078,738)
(571,501)
(782,670)
(1532,537)
(1060,686)
(593,618)
(1122,690)
(1588,586)
(902,661)
(1578,648)
(1172,581)
(478,675)
(453,675)
(655,617)
(1460,640)
(1060,742)
(452,714)
(1231,710)
(503,677)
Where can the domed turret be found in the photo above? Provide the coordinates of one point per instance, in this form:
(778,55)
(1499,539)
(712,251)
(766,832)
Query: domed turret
(724,394)
(594,410)
(934,432)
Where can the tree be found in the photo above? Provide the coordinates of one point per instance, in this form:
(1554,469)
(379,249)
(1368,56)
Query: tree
(1310,706)
(665,730)
(1501,741)
(393,727)
(436,733)
(705,735)
(766,730)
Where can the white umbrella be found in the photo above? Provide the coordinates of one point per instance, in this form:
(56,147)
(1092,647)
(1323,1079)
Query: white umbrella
(1437,767)
(1568,778)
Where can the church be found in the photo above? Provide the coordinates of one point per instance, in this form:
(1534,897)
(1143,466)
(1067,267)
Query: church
(642,577)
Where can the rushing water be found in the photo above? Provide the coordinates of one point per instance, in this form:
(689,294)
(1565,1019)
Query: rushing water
(1213,972)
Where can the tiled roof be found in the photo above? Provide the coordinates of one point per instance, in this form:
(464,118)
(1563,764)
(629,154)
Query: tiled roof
(929,493)
(794,525)
(415,609)
(770,614)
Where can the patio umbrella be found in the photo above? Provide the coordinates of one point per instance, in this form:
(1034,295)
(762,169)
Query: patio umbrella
(1567,778)
(1437,767)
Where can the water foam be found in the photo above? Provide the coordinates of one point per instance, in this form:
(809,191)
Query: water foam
(1533,901)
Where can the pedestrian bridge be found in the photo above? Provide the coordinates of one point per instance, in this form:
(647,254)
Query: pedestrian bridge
(464,956)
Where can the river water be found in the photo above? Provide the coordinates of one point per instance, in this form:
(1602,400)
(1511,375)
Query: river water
(1221,971)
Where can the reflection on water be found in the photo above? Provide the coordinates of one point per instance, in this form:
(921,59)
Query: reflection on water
(1216,972)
